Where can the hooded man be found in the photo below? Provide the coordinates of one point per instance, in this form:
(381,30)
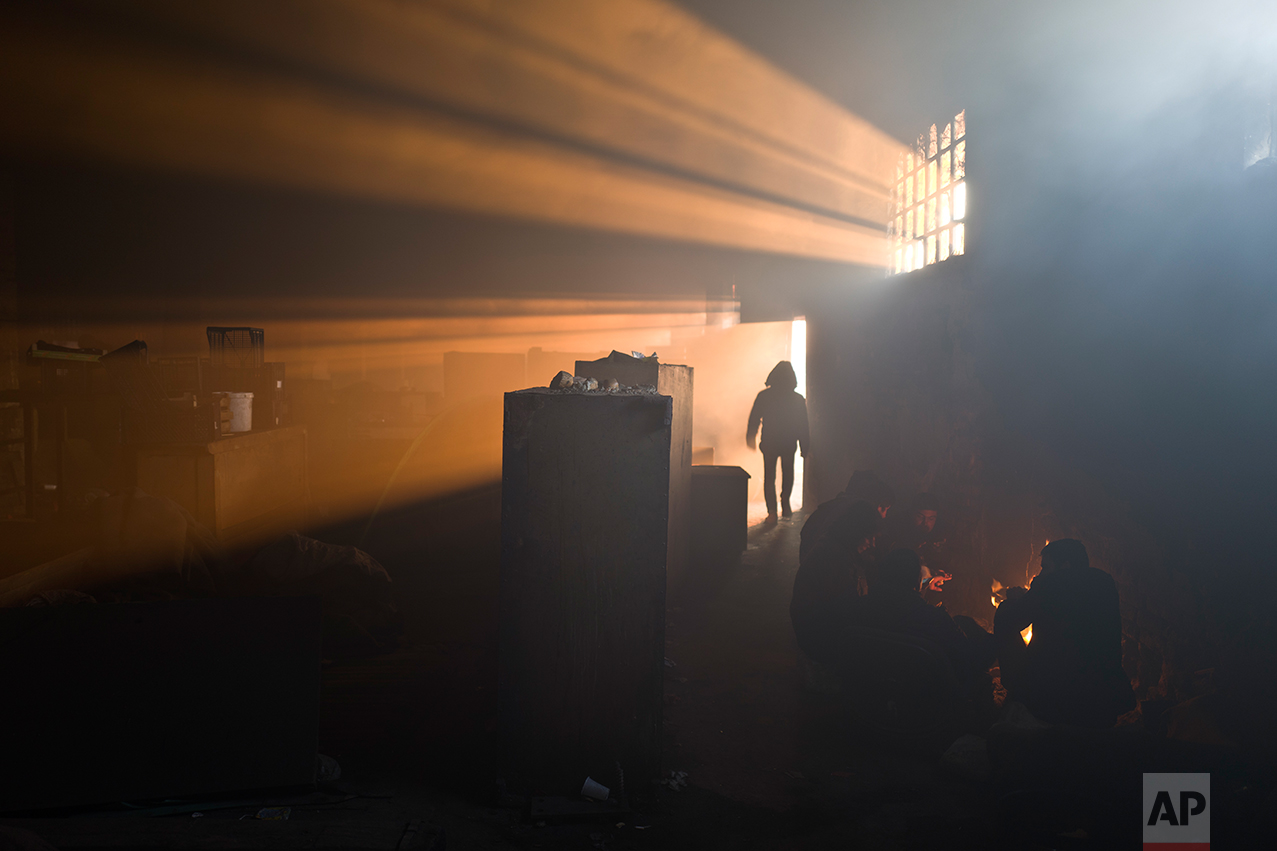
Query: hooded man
(1071,671)
(864,486)
(783,414)
(895,604)
(832,577)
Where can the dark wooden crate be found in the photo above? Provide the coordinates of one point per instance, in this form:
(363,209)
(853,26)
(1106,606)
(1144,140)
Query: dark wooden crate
(720,510)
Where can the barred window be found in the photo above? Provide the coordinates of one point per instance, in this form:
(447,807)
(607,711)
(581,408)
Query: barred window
(929,225)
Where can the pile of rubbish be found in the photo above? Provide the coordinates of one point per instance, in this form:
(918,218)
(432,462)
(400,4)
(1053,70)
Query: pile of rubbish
(570,383)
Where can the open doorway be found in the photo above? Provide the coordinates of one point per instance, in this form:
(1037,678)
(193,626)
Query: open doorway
(795,352)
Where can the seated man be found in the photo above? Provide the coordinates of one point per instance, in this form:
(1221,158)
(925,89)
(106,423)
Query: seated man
(1071,672)
(912,526)
(895,604)
(864,486)
(831,577)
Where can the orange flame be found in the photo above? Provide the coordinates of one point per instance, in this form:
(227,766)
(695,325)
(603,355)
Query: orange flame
(996,598)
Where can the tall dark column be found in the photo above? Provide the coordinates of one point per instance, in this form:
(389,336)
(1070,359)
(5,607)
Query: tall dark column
(675,381)
(584,513)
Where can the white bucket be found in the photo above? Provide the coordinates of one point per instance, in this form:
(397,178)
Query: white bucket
(241,412)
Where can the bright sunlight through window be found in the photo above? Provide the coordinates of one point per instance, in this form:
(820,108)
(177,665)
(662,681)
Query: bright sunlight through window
(931,199)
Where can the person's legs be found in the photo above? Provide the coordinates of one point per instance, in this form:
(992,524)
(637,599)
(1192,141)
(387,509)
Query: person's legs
(1012,655)
(786,482)
(983,645)
(769,481)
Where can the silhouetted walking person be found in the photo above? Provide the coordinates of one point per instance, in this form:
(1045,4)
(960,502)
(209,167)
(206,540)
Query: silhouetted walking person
(783,414)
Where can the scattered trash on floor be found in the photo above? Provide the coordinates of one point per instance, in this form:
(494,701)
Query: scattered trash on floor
(197,815)
(670,663)
(676,781)
(274,813)
(793,775)
(326,769)
(410,831)
(595,791)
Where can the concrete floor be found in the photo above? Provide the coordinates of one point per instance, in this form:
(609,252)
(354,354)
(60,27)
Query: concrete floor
(769,765)
(741,724)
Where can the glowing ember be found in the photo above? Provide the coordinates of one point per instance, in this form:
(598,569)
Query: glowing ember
(997,596)
(998,593)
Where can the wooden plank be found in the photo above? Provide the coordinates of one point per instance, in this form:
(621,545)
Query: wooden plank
(675,381)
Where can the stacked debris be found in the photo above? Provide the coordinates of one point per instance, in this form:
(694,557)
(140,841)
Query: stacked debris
(569,383)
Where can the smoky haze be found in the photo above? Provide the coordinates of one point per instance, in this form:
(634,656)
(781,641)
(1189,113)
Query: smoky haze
(1122,262)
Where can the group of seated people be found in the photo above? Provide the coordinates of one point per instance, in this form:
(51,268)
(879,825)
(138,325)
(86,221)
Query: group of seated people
(863,565)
